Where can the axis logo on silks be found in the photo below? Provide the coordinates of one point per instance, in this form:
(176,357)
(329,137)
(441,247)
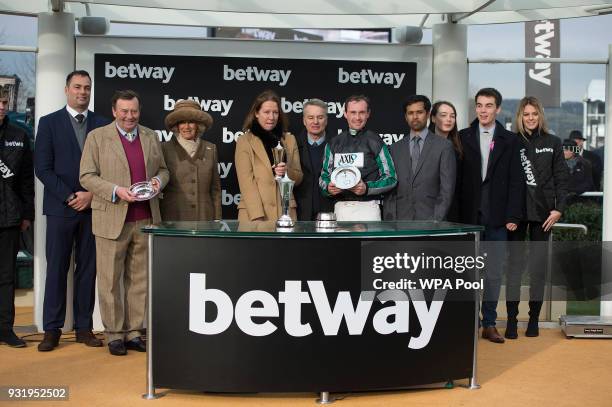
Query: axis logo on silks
(355,159)
(391,319)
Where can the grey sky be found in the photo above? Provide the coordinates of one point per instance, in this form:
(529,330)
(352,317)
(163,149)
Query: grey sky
(580,38)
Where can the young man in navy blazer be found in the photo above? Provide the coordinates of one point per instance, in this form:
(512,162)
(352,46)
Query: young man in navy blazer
(492,194)
(59,144)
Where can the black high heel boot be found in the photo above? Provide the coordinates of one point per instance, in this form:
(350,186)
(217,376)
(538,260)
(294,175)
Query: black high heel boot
(534,315)
(511,325)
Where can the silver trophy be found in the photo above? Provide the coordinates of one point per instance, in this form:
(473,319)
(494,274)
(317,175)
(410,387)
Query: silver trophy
(285,187)
(278,153)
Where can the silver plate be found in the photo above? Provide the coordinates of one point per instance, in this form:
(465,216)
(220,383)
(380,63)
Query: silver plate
(346,176)
(144,190)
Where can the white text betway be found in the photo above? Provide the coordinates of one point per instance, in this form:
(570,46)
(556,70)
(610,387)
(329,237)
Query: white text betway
(137,71)
(261,304)
(544,32)
(368,76)
(256,74)
(5,170)
(209,105)
(333,108)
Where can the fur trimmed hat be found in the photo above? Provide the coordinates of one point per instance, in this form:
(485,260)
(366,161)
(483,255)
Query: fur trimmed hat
(188,111)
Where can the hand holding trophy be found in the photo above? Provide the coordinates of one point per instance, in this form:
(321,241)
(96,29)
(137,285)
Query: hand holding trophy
(278,153)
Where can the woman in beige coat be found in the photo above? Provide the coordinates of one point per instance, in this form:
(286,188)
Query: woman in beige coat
(264,126)
(194,190)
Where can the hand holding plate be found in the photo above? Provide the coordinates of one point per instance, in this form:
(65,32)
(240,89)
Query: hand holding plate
(143,191)
(359,189)
(125,194)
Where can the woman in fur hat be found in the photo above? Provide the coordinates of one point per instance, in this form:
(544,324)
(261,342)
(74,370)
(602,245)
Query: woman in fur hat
(194,190)
(265,126)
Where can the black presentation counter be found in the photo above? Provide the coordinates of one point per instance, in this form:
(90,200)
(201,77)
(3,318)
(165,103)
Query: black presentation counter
(237,307)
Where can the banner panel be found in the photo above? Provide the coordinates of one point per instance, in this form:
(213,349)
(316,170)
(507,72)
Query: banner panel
(542,79)
(283,317)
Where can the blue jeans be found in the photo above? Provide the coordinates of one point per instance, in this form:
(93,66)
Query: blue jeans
(494,245)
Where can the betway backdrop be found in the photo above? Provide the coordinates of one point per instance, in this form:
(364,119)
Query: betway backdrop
(226,81)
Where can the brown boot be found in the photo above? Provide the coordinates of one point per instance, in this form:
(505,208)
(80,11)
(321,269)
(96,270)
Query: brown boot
(50,341)
(88,338)
(492,334)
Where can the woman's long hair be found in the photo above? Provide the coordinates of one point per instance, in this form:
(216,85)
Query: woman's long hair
(453,134)
(265,96)
(518,118)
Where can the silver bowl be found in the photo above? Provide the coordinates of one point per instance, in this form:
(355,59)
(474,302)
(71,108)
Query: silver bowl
(144,190)
(326,220)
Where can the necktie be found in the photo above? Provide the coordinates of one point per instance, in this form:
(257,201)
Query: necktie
(130,136)
(79,117)
(416,152)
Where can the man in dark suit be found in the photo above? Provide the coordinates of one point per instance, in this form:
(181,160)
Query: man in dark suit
(591,157)
(311,145)
(425,167)
(59,143)
(493,194)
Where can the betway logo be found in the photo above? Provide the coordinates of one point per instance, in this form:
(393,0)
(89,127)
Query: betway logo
(136,71)
(209,105)
(526,163)
(370,76)
(542,70)
(253,73)
(5,170)
(388,320)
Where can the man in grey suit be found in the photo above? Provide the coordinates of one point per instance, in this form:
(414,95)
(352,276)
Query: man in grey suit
(425,166)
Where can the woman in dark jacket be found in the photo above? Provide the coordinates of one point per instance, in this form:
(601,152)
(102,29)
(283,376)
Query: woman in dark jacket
(444,124)
(546,177)
(194,190)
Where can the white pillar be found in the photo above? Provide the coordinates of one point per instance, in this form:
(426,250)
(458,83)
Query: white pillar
(55,59)
(606,269)
(450,68)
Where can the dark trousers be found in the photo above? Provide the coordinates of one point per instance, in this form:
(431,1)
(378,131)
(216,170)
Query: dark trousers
(62,235)
(530,255)
(9,246)
(494,245)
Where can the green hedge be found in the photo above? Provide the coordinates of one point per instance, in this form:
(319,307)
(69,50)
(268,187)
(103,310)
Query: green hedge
(585,212)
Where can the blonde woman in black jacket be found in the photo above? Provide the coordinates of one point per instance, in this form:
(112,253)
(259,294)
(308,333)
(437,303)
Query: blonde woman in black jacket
(546,178)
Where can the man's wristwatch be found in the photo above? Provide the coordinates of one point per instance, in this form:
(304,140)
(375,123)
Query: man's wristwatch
(70,198)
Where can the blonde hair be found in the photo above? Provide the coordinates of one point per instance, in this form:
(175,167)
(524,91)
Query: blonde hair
(518,119)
